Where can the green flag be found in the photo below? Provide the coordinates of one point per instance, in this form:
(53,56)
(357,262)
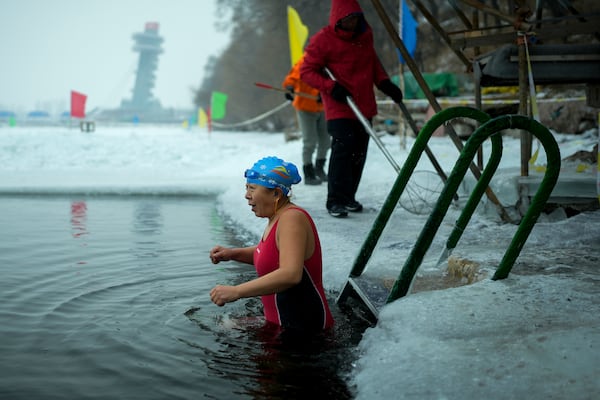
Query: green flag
(217,105)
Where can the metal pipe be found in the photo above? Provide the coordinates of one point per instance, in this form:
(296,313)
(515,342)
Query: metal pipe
(363,120)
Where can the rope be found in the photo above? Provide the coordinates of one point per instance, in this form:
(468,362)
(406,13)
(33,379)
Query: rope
(532,93)
(532,98)
(415,102)
(450,101)
(252,120)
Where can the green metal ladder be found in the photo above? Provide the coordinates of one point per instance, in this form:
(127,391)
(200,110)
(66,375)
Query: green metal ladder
(372,295)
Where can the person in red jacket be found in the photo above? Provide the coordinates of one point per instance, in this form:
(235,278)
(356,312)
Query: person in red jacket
(309,107)
(345,47)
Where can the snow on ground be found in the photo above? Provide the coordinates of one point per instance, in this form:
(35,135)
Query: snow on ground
(533,335)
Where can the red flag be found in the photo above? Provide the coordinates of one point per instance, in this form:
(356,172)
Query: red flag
(78,104)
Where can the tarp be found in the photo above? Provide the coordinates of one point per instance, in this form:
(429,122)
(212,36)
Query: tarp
(442,85)
(572,64)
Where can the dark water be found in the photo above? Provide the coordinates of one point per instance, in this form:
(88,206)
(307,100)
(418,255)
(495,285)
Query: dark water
(108,298)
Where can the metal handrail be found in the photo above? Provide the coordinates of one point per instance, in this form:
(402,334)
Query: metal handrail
(490,128)
(403,177)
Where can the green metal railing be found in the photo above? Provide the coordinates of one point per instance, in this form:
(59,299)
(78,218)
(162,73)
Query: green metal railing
(491,128)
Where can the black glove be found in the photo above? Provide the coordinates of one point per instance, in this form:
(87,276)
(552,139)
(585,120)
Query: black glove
(391,90)
(319,99)
(290,93)
(339,93)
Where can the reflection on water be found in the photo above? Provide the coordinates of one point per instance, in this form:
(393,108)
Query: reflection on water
(134,319)
(78,223)
(78,216)
(147,219)
(147,227)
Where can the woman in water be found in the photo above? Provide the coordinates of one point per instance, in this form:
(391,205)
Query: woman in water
(287,259)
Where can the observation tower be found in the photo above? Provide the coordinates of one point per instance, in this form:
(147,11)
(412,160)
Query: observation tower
(148,44)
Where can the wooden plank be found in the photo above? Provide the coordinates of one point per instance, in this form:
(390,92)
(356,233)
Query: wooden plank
(483,37)
(569,188)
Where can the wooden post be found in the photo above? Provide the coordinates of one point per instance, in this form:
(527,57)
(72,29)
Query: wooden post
(523,95)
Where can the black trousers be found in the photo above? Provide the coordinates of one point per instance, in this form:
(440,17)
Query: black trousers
(349,144)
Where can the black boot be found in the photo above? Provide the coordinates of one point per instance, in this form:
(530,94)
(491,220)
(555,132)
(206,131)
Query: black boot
(319,172)
(309,175)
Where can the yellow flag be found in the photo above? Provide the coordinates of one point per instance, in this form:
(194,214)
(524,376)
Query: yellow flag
(298,33)
(202,118)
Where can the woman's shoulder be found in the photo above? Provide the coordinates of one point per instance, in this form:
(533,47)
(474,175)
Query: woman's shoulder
(294,221)
(295,214)
(296,210)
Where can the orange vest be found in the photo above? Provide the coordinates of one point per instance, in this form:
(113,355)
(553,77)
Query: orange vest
(300,102)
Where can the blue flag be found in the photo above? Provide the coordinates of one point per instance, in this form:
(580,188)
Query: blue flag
(409,32)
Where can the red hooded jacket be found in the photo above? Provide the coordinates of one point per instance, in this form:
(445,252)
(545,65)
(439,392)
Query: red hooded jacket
(352,60)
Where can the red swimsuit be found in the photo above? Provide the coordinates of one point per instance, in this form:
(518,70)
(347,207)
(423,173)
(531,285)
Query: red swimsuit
(304,305)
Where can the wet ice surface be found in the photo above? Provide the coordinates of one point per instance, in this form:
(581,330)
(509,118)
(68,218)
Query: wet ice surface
(532,335)
(523,337)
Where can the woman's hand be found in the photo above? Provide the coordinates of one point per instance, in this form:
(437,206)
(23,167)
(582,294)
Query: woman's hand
(218,254)
(240,254)
(220,295)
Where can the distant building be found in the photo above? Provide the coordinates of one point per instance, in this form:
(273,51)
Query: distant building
(38,117)
(143,106)
(148,44)
(8,117)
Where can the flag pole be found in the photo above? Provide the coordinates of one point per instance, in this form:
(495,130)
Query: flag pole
(209,120)
(402,126)
(301,94)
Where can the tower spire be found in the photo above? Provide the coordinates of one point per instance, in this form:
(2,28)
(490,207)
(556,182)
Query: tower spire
(148,44)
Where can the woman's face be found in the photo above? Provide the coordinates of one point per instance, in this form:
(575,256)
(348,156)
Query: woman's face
(349,23)
(261,199)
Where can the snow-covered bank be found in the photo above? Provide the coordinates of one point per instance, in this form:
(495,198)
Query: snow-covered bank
(532,335)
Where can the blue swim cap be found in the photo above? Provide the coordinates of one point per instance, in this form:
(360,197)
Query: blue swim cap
(273,172)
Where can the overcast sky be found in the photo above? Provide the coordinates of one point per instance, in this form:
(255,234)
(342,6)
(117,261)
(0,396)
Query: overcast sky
(50,47)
